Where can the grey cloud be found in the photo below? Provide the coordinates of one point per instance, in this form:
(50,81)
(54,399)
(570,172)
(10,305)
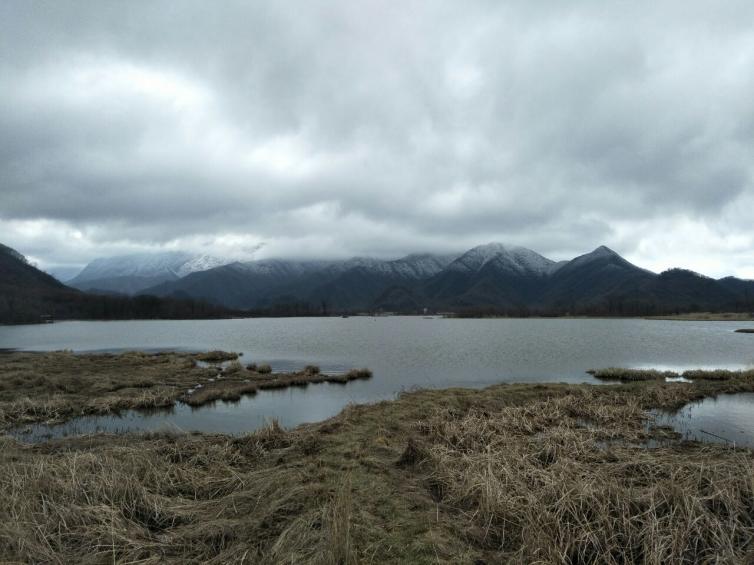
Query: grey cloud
(375,128)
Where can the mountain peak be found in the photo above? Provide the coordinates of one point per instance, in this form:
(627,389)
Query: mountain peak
(511,258)
(602,256)
(604,251)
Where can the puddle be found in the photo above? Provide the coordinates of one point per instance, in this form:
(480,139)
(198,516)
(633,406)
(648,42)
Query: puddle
(677,380)
(727,419)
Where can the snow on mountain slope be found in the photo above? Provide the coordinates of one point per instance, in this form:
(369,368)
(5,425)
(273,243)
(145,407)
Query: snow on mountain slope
(416,266)
(176,263)
(282,267)
(420,265)
(200,263)
(519,260)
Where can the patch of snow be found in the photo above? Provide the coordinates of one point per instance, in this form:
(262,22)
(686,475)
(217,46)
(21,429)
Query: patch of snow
(200,263)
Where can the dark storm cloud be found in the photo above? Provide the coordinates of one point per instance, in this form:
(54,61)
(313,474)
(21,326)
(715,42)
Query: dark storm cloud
(338,128)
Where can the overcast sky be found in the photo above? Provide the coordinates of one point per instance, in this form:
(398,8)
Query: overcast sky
(331,129)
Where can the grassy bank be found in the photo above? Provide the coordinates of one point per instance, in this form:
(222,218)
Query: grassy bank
(524,473)
(57,386)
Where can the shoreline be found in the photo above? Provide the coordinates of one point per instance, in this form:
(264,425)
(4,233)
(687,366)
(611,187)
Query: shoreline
(689,317)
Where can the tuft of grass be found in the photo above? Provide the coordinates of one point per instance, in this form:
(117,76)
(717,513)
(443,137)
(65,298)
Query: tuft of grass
(620,374)
(264,369)
(216,356)
(233,368)
(337,520)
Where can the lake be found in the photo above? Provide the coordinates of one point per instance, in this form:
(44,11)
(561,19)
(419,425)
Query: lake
(403,352)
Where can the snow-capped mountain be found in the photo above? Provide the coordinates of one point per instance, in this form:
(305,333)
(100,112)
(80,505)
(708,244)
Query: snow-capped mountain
(131,273)
(493,277)
(514,259)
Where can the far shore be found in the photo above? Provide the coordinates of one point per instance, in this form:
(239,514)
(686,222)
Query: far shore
(708,317)
(689,317)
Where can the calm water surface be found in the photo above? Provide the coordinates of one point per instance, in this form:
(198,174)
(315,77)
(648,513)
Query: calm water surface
(727,418)
(403,352)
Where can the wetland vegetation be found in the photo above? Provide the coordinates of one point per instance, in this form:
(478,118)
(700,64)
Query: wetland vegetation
(58,386)
(545,473)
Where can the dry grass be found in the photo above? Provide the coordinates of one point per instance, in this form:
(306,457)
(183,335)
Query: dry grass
(58,386)
(621,374)
(628,375)
(216,356)
(234,383)
(540,473)
(533,485)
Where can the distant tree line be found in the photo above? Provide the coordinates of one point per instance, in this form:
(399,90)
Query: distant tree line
(612,307)
(30,307)
(38,306)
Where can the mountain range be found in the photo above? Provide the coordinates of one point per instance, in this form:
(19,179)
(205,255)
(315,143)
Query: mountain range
(492,278)
(30,295)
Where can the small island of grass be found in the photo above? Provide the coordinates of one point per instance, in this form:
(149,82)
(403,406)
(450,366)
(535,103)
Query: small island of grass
(58,386)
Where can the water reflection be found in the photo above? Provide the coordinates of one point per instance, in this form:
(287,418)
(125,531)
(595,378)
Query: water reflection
(728,419)
(313,403)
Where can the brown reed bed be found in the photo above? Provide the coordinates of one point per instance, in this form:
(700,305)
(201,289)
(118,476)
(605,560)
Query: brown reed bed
(240,383)
(544,473)
(629,375)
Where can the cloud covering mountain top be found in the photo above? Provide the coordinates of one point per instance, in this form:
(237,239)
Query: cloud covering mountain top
(335,129)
